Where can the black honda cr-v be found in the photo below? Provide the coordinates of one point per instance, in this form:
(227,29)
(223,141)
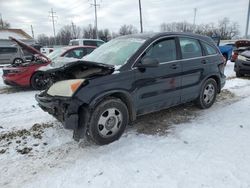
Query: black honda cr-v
(131,76)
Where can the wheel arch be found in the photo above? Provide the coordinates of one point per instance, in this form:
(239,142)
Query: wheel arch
(124,96)
(217,79)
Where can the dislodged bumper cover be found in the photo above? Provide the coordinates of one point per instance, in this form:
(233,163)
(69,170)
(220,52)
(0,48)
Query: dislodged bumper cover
(65,109)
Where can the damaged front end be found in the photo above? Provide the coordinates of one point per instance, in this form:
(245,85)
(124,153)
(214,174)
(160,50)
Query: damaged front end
(60,98)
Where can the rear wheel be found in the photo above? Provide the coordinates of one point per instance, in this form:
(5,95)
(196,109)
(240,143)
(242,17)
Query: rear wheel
(40,81)
(208,93)
(108,121)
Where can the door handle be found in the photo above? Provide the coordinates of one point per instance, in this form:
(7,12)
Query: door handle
(174,66)
(204,61)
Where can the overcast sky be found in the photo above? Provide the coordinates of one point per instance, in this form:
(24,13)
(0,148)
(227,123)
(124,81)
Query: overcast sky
(114,13)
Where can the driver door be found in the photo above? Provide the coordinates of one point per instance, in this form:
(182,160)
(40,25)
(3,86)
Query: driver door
(159,87)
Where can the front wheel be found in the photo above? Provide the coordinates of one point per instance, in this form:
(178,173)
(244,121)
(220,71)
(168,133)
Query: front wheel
(108,121)
(208,94)
(238,74)
(40,81)
(17,61)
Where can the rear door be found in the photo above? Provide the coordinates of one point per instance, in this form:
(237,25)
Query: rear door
(159,87)
(194,66)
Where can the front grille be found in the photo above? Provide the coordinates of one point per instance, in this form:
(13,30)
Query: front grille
(5,72)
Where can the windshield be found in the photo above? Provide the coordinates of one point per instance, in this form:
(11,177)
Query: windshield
(115,52)
(56,53)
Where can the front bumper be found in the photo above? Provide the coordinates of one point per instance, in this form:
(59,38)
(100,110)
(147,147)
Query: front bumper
(242,66)
(64,109)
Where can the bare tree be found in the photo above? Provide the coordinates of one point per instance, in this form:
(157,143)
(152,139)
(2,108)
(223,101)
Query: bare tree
(89,32)
(104,35)
(4,24)
(127,30)
(225,29)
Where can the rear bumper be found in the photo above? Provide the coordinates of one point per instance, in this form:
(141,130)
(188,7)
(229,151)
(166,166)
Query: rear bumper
(62,108)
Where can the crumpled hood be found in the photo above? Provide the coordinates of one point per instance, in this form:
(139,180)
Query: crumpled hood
(70,62)
(28,48)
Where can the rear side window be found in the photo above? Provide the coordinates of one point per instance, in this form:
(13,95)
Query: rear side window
(163,51)
(99,43)
(8,50)
(190,48)
(209,50)
(89,43)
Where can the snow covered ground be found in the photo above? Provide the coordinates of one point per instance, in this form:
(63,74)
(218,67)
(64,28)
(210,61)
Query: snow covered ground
(211,149)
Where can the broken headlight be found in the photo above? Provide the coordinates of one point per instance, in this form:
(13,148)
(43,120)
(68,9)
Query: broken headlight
(65,88)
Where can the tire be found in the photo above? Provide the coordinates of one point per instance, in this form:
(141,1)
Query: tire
(238,74)
(108,121)
(208,94)
(17,61)
(39,81)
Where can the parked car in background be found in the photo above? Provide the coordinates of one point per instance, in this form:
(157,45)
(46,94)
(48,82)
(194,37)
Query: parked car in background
(15,54)
(242,64)
(28,74)
(240,46)
(86,42)
(130,76)
(225,49)
(46,50)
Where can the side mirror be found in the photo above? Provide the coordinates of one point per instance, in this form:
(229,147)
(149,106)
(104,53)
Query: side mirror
(148,62)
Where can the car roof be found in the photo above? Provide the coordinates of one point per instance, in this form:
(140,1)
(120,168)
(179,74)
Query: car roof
(74,47)
(87,39)
(162,34)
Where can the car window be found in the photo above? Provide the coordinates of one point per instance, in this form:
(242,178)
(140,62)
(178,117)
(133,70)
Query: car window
(8,50)
(209,49)
(75,53)
(99,43)
(190,48)
(89,50)
(74,43)
(89,43)
(163,51)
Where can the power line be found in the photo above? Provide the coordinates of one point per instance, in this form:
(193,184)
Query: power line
(140,16)
(96,28)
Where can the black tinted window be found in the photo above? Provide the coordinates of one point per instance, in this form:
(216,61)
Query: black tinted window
(163,51)
(209,49)
(89,43)
(89,50)
(190,48)
(76,53)
(8,50)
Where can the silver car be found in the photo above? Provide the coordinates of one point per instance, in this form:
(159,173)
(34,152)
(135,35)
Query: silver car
(11,54)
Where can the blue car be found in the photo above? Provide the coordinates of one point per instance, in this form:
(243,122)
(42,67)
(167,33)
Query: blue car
(226,49)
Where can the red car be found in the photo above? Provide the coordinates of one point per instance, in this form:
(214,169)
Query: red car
(28,75)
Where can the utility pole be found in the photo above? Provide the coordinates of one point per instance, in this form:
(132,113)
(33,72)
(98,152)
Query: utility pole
(247,25)
(1,19)
(52,16)
(140,16)
(195,11)
(74,31)
(96,28)
(31,27)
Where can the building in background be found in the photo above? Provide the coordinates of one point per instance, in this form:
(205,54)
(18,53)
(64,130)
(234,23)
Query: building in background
(16,33)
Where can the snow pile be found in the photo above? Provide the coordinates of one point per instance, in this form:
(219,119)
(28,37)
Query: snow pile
(211,150)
